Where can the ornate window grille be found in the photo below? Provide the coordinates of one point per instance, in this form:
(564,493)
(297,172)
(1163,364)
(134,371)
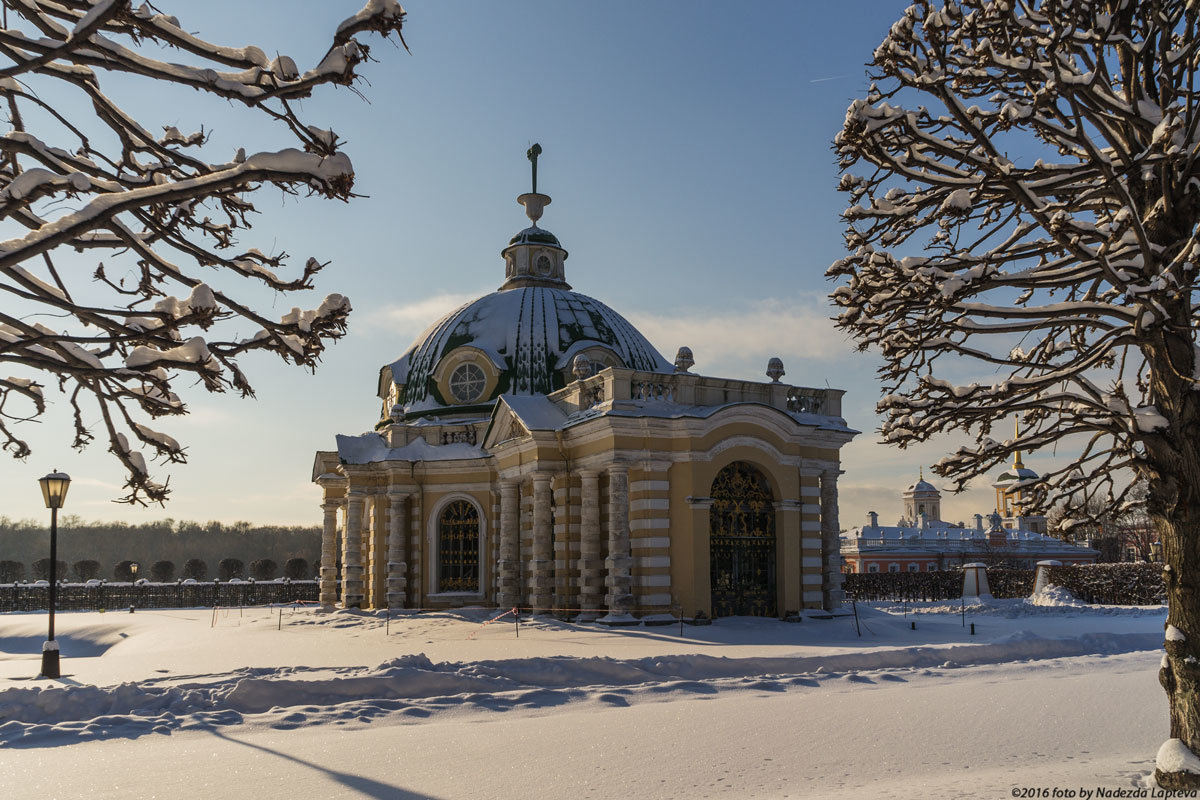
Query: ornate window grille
(742,543)
(467,382)
(458,548)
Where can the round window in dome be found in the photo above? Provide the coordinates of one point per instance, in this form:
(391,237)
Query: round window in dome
(467,382)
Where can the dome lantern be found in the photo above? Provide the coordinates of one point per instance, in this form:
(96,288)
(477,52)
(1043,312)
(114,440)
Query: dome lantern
(534,256)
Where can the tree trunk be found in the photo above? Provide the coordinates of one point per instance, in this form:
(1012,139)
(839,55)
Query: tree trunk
(1174,506)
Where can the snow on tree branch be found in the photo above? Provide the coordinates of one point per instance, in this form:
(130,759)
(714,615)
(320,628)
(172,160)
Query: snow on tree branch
(1024,196)
(85,175)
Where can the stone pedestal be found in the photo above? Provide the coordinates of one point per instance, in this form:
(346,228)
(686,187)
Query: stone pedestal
(1041,578)
(397,557)
(508,593)
(619,563)
(975,581)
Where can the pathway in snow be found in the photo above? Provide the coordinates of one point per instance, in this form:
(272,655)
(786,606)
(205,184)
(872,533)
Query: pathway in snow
(185,704)
(969,732)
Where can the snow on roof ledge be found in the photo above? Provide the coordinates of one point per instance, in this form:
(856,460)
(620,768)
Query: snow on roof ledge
(370,448)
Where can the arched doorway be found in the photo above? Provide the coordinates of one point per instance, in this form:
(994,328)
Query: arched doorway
(458,548)
(741,548)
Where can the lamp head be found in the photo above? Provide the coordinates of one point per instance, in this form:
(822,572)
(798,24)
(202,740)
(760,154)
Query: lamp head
(133,567)
(54,488)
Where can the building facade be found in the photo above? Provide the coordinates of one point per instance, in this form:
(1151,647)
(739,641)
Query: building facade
(534,450)
(921,541)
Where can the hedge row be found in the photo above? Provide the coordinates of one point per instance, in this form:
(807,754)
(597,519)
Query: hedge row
(74,596)
(1127,584)
(910,586)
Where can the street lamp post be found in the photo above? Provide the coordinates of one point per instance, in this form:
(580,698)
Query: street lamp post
(133,570)
(54,492)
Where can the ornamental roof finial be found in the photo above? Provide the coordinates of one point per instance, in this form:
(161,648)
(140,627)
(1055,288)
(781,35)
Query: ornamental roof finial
(1017,435)
(533,201)
(532,154)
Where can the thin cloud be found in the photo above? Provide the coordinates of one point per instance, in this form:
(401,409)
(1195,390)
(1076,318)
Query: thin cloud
(738,342)
(413,317)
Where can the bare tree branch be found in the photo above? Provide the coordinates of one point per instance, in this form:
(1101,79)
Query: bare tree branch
(160,200)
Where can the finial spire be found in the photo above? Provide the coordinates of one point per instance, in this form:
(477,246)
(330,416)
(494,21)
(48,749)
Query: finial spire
(922,473)
(1017,435)
(532,154)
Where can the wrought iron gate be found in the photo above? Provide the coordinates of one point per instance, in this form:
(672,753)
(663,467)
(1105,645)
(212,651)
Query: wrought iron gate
(741,548)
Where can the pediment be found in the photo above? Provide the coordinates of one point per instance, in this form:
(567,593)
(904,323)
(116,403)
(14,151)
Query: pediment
(505,426)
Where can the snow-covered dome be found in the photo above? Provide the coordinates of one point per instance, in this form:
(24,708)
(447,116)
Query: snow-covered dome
(521,339)
(922,486)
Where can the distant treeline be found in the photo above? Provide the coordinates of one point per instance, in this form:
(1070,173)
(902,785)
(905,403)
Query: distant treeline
(115,543)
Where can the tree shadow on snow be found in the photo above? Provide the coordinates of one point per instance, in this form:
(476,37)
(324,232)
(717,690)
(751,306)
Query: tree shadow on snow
(76,644)
(367,787)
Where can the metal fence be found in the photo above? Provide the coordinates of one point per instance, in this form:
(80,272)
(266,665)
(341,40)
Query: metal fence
(81,597)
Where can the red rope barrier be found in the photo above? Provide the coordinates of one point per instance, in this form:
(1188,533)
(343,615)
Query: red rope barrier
(485,623)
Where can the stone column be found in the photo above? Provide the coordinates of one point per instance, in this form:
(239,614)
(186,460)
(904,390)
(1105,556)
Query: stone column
(509,567)
(541,566)
(397,552)
(831,548)
(329,543)
(352,571)
(416,590)
(591,566)
(373,552)
(619,563)
(564,564)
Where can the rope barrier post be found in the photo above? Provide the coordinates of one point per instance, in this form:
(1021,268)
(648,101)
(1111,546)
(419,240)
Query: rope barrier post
(963,607)
(214,619)
(854,605)
(280,626)
(517,620)
(387,622)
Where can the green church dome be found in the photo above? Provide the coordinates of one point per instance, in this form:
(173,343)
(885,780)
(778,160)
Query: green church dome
(521,341)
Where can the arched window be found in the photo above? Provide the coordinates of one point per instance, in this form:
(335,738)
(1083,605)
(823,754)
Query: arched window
(458,548)
(872,568)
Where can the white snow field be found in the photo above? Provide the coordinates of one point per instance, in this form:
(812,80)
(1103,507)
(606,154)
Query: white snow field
(188,703)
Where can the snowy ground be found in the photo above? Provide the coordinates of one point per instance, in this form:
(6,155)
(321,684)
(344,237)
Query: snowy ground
(179,704)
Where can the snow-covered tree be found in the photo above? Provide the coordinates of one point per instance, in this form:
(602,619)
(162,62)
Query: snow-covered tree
(1024,179)
(152,215)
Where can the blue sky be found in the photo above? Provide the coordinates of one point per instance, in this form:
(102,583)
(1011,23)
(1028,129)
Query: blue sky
(687,149)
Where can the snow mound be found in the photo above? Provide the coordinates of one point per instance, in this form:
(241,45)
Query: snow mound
(1056,596)
(1174,756)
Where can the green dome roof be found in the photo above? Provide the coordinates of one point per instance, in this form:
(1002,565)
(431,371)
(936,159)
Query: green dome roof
(530,335)
(535,235)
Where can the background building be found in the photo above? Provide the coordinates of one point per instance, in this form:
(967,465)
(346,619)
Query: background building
(922,542)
